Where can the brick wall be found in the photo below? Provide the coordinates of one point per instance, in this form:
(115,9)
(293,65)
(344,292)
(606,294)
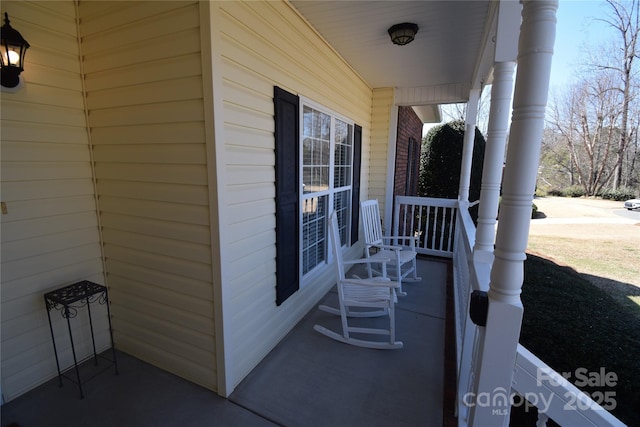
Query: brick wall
(406,175)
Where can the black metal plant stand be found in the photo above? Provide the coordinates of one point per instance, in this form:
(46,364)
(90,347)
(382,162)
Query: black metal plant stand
(68,300)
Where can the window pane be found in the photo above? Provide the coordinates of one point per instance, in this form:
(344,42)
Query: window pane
(343,154)
(315,150)
(342,206)
(314,217)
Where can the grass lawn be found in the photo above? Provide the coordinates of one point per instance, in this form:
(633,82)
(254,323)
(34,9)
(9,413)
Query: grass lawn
(577,327)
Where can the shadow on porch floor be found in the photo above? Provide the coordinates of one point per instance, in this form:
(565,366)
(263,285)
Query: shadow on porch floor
(307,380)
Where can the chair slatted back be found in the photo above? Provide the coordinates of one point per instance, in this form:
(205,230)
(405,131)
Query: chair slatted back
(371,222)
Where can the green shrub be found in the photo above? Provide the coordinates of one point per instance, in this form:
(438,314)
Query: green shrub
(618,195)
(555,192)
(440,163)
(574,191)
(534,210)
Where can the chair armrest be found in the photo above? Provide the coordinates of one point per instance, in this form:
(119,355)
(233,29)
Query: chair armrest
(367,260)
(390,247)
(413,239)
(376,282)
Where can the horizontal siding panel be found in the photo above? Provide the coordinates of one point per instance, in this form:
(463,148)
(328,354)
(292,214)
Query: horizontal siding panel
(193,154)
(160,192)
(48,243)
(142,28)
(256,247)
(249,137)
(166,173)
(23,151)
(261,209)
(168,112)
(43,353)
(158,245)
(44,281)
(46,76)
(42,226)
(175,332)
(165,297)
(124,301)
(48,135)
(42,113)
(43,208)
(98,17)
(251,192)
(159,133)
(177,89)
(248,229)
(175,364)
(249,156)
(199,289)
(156,71)
(172,45)
(169,230)
(34,265)
(238,94)
(252,236)
(49,57)
(22,171)
(247,116)
(239,74)
(24,190)
(238,175)
(59,19)
(60,97)
(161,264)
(189,214)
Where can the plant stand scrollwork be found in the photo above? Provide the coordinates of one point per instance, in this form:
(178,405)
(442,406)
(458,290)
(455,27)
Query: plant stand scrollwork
(68,300)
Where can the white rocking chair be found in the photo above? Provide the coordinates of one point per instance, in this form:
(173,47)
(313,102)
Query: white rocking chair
(403,259)
(375,293)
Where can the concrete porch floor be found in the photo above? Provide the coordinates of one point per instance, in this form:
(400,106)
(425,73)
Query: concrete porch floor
(307,380)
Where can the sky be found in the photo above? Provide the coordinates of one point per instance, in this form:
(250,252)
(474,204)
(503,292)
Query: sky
(575,30)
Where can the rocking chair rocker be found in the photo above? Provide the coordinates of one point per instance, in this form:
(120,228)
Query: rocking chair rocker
(375,247)
(374,293)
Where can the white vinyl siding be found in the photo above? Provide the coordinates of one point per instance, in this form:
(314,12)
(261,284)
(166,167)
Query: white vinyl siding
(262,45)
(50,234)
(145,106)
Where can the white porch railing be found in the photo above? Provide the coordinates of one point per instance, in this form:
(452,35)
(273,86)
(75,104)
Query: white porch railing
(447,230)
(431,219)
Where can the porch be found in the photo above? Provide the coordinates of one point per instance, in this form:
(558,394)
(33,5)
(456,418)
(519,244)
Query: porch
(307,379)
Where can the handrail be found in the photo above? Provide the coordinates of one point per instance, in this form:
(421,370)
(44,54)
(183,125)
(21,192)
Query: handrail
(555,397)
(454,237)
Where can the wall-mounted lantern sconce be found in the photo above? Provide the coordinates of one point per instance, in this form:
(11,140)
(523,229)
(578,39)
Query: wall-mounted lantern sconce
(12,49)
(402,34)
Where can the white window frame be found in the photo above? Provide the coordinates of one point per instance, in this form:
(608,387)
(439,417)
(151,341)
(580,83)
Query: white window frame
(330,192)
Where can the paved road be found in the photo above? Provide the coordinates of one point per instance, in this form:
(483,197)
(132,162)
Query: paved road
(585,218)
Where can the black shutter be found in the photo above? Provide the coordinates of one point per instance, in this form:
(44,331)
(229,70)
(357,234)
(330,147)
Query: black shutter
(355,193)
(287,126)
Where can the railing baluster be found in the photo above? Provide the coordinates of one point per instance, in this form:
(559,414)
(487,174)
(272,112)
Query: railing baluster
(542,420)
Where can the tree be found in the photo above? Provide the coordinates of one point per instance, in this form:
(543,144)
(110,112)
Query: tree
(624,18)
(586,118)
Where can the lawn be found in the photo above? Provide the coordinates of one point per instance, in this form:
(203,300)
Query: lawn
(577,327)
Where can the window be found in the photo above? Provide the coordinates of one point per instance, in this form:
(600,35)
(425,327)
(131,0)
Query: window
(327,178)
(317,169)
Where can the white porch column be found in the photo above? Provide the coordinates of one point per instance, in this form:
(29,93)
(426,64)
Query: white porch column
(467,147)
(501,93)
(499,339)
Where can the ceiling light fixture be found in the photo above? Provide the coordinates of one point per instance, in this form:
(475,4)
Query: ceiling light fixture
(402,34)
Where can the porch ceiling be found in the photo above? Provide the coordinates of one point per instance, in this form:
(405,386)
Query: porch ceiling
(447,50)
